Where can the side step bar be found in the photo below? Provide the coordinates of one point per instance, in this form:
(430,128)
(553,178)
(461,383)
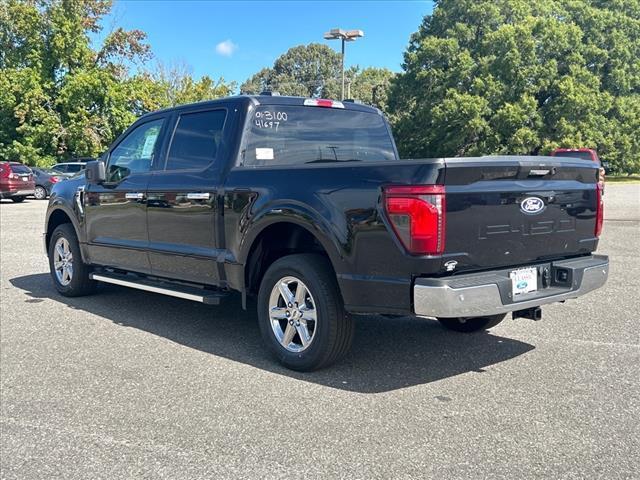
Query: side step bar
(195,294)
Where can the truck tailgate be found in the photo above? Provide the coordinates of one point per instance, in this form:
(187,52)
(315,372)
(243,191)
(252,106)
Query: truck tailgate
(504,211)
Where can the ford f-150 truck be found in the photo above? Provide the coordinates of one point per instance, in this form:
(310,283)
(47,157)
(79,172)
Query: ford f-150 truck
(305,205)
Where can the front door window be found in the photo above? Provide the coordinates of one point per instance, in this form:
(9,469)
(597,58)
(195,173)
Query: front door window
(135,153)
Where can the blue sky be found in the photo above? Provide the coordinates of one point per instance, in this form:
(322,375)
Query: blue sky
(236,39)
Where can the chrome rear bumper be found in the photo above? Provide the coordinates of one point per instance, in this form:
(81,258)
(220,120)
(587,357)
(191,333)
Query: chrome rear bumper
(489,293)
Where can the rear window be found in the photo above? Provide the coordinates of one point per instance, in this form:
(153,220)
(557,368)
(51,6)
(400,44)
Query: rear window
(294,135)
(16,168)
(74,167)
(581,155)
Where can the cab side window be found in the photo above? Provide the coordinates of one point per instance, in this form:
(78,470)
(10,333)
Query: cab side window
(135,153)
(196,141)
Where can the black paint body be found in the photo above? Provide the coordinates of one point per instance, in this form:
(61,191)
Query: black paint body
(209,241)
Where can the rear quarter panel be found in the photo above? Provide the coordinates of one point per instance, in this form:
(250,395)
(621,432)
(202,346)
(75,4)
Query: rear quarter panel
(340,205)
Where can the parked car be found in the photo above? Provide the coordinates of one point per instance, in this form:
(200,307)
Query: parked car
(16,181)
(45,179)
(584,154)
(69,168)
(305,205)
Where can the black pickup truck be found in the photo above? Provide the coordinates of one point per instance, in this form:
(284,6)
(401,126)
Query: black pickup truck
(305,204)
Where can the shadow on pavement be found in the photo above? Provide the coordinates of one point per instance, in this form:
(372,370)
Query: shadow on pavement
(387,353)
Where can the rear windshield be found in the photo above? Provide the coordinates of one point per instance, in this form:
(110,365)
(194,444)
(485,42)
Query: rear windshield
(289,135)
(16,168)
(582,155)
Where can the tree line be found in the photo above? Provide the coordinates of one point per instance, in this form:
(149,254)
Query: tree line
(479,77)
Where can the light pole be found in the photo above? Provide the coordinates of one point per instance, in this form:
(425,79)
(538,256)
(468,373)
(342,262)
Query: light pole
(345,36)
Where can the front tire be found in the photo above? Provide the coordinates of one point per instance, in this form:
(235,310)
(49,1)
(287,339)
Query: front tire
(471,324)
(40,193)
(301,314)
(70,275)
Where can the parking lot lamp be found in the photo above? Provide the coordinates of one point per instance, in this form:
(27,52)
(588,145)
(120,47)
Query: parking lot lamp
(344,36)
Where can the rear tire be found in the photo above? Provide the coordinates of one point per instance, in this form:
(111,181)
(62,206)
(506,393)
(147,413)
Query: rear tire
(70,275)
(311,330)
(471,324)
(17,199)
(40,193)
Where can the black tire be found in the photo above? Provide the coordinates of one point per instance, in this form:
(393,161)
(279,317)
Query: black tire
(471,324)
(333,329)
(17,199)
(40,193)
(80,283)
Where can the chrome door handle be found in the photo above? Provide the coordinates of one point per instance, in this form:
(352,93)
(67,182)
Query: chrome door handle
(198,196)
(134,196)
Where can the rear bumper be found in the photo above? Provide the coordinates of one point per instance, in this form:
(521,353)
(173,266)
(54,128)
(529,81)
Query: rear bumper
(23,192)
(489,293)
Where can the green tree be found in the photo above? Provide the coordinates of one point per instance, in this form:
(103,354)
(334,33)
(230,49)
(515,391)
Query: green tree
(315,70)
(371,86)
(61,98)
(176,86)
(312,70)
(522,77)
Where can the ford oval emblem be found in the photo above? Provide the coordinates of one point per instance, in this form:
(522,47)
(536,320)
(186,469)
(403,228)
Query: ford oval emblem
(532,205)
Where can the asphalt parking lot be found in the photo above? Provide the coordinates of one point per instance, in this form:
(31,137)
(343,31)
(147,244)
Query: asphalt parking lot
(129,384)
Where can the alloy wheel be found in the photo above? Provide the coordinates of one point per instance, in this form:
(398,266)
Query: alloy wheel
(292,314)
(63,261)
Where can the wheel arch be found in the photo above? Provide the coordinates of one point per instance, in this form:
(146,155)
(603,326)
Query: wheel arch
(278,238)
(59,216)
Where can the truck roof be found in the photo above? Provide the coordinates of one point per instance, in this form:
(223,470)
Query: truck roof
(265,100)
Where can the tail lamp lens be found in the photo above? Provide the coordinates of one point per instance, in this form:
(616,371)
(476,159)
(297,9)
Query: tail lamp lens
(417,214)
(599,210)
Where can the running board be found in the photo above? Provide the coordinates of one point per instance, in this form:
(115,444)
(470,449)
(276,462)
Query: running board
(164,288)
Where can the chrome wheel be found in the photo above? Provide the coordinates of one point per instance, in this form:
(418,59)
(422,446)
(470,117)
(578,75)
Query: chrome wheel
(40,193)
(63,261)
(292,313)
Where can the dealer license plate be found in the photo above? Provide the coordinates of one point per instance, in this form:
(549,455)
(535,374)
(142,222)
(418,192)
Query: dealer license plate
(524,280)
(24,179)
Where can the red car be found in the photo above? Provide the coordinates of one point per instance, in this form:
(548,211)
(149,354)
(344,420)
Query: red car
(583,153)
(16,181)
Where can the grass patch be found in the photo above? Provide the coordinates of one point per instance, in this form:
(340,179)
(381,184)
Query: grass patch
(622,179)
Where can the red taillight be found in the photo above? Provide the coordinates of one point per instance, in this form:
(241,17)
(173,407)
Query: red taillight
(599,210)
(53,179)
(417,214)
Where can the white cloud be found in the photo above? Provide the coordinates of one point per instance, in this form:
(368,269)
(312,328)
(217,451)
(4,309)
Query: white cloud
(226,48)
